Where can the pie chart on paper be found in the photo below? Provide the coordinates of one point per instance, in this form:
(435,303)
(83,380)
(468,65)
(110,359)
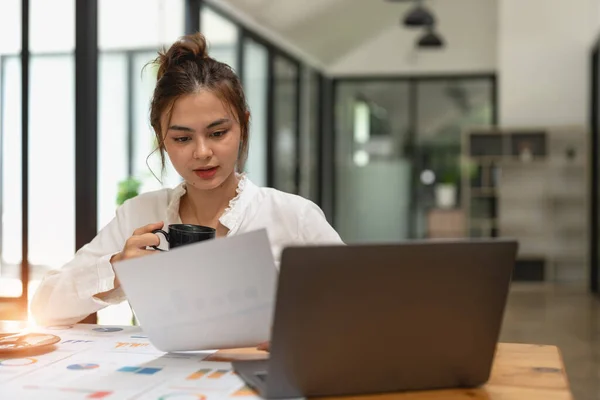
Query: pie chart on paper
(79,367)
(17,362)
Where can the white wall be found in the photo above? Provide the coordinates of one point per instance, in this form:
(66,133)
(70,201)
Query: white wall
(543,60)
(468,26)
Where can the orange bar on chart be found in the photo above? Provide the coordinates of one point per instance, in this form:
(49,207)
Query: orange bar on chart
(198,374)
(218,373)
(244,391)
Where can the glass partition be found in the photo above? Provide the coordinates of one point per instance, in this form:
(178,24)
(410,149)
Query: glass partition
(10,150)
(373,162)
(285,114)
(256,58)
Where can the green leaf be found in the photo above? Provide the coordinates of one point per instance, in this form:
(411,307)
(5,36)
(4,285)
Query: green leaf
(127,189)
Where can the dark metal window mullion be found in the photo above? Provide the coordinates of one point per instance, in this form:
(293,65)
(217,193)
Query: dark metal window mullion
(129,56)
(298,111)
(192,16)
(271,119)
(24,154)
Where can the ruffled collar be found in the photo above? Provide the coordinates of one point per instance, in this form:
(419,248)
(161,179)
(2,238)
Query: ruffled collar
(233,214)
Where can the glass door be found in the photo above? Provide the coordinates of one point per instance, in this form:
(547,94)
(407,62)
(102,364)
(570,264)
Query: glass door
(373,161)
(12,301)
(444,109)
(286,124)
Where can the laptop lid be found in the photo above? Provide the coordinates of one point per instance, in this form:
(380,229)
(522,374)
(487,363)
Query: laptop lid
(379,318)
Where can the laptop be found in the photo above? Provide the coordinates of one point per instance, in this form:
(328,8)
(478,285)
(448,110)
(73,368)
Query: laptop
(362,319)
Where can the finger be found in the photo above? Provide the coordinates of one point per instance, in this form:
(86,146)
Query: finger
(143,241)
(136,253)
(263,346)
(148,228)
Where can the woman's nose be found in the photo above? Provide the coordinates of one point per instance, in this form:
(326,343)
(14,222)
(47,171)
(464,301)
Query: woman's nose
(202,150)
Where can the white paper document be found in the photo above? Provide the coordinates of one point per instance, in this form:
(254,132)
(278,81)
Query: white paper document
(116,362)
(214,294)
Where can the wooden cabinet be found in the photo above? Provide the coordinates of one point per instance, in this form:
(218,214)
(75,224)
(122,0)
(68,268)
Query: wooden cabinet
(443,223)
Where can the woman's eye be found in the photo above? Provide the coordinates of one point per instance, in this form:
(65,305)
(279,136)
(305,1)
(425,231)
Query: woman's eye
(181,139)
(218,134)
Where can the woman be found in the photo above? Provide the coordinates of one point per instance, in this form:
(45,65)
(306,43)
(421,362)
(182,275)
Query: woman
(200,118)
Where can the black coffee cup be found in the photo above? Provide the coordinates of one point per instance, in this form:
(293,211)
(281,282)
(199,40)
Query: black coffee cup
(182,234)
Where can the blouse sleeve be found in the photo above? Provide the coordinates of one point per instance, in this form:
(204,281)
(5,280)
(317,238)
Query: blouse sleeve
(314,228)
(68,295)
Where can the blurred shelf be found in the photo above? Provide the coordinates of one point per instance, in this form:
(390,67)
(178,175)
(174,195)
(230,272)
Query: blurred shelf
(484,192)
(507,160)
(538,199)
(569,258)
(481,221)
(531,256)
(517,162)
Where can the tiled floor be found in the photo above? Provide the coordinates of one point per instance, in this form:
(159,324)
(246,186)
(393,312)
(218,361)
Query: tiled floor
(568,317)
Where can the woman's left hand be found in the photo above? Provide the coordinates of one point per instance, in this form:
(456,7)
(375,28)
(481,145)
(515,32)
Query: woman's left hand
(264,346)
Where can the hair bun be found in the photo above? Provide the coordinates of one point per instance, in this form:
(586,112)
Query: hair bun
(189,48)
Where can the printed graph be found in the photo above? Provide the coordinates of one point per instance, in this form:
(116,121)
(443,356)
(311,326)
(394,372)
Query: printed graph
(198,374)
(17,362)
(59,327)
(140,370)
(79,367)
(244,391)
(218,373)
(90,393)
(130,345)
(219,379)
(182,396)
(73,341)
(107,329)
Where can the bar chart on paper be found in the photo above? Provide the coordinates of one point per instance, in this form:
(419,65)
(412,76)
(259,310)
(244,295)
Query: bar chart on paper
(198,374)
(79,367)
(140,370)
(210,376)
(210,380)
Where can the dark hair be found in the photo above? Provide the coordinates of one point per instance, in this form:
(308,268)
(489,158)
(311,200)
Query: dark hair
(186,68)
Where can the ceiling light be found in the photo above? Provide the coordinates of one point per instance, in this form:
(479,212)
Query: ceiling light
(419,16)
(430,40)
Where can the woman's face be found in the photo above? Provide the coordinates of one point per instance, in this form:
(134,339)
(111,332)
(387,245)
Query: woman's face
(202,140)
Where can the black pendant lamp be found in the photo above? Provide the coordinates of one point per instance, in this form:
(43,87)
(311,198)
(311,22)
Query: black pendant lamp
(419,16)
(430,40)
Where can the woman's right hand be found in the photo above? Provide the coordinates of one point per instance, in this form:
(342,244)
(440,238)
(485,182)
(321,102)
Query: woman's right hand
(136,245)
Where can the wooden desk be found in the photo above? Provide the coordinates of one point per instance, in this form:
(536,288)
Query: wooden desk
(520,372)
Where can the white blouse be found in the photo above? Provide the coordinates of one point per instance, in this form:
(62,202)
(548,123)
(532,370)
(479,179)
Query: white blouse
(68,295)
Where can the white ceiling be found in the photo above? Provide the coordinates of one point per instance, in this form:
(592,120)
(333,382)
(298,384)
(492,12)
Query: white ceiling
(325,29)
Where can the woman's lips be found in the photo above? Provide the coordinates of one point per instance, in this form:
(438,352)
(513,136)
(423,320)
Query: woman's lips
(206,173)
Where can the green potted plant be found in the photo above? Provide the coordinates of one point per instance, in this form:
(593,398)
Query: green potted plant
(446,187)
(128,188)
